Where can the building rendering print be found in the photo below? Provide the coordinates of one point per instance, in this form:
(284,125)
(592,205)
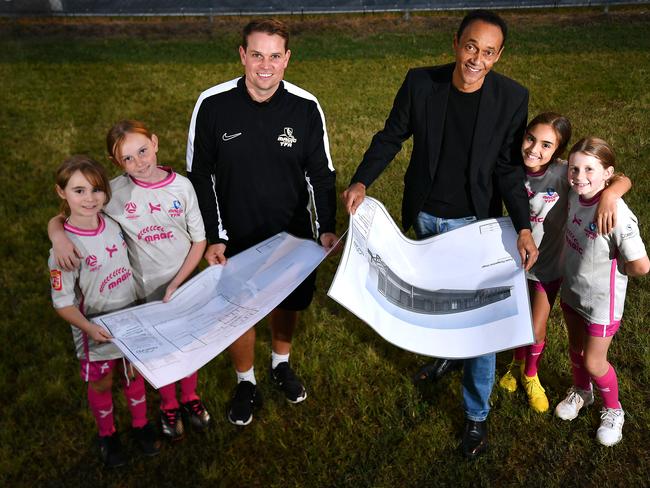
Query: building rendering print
(433,302)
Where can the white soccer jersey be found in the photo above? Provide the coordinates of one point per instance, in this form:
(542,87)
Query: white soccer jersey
(547,197)
(160,221)
(102,283)
(594,284)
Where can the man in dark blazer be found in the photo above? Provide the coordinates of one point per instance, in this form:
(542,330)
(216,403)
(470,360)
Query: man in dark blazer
(467,124)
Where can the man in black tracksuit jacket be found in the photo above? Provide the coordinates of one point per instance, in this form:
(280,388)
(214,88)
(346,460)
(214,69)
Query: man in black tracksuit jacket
(258,157)
(467,125)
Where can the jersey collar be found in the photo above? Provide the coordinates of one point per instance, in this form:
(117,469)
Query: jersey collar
(271,102)
(589,202)
(171,176)
(86,232)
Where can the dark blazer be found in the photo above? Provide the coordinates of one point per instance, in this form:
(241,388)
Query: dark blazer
(495,167)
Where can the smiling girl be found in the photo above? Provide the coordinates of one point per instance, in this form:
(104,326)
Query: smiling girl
(595,280)
(102,283)
(158,211)
(545,140)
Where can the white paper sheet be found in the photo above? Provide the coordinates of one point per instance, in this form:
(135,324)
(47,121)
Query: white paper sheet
(168,341)
(455,295)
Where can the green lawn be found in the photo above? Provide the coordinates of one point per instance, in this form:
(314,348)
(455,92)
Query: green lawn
(364,423)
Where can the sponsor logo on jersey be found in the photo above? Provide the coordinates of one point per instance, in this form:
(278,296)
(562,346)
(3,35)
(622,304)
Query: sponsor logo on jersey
(116,278)
(111,250)
(536,218)
(629,232)
(153,233)
(572,242)
(590,231)
(287,139)
(576,220)
(551,195)
(56,280)
(154,208)
(176,210)
(130,208)
(228,137)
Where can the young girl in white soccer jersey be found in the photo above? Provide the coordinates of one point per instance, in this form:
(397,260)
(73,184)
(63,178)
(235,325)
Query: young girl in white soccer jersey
(545,140)
(102,283)
(596,268)
(159,213)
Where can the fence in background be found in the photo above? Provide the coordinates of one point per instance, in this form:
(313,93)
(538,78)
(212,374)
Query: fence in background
(277,7)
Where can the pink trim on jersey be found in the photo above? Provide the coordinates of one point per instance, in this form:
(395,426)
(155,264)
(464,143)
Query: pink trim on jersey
(159,184)
(612,290)
(538,173)
(85,339)
(590,202)
(85,232)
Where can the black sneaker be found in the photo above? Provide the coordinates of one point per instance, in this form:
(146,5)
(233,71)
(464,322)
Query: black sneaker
(147,439)
(171,424)
(195,412)
(285,379)
(110,449)
(245,399)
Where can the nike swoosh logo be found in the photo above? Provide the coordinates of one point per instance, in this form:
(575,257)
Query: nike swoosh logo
(227,137)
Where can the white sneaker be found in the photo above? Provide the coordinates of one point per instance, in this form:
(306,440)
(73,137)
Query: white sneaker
(610,431)
(576,398)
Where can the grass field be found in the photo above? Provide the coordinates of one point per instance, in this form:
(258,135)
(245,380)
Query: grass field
(364,424)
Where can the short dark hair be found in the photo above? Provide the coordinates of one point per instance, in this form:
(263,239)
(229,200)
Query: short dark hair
(268,26)
(486,16)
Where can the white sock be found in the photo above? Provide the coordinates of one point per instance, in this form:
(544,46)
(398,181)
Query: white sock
(246,376)
(278,358)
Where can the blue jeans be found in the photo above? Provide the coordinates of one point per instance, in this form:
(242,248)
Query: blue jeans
(478,373)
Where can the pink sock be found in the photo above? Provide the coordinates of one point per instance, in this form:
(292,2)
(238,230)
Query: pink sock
(607,384)
(581,378)
(533,356)
(101,404)
(188,387)
(520,353)
(168,397)
(136,399)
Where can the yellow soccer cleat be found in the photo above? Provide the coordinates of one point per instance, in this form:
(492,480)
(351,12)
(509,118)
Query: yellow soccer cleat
(509,380)
(536,393)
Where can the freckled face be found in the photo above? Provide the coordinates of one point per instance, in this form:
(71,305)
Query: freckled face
(538,147)
(587,175)
(265,59)
(138,157)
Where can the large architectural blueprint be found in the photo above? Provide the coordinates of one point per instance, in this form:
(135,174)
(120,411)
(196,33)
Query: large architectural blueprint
(455,295)
(167,341)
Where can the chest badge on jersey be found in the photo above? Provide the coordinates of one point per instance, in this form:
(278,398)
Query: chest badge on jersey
(590,230)
(551,195)
(130,209)
(287,139)
(176,210)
